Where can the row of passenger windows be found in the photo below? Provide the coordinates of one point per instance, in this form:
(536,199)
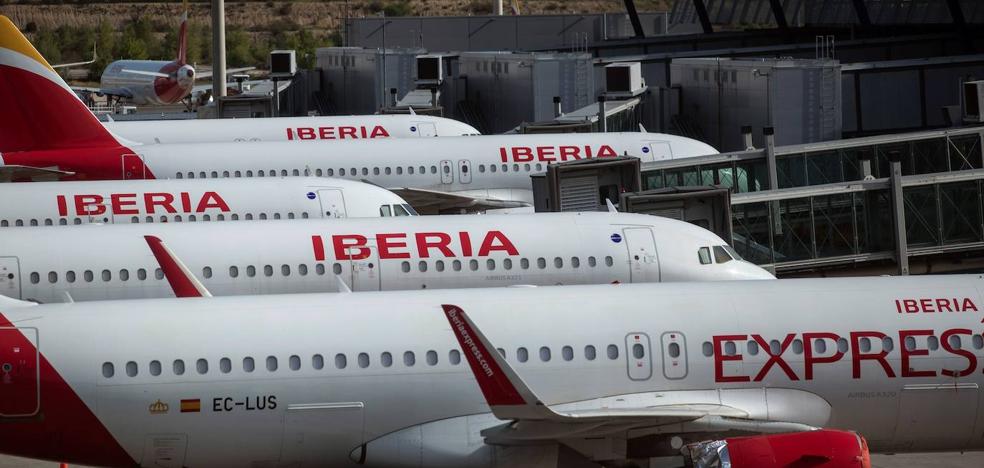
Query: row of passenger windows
(362,360)
(507,264)
(320,269)
(364,171)
(821,346)
(151,219)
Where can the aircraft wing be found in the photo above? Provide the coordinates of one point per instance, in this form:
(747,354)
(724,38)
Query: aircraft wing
(434,201)
(35,174)
(706,412)
(208,74)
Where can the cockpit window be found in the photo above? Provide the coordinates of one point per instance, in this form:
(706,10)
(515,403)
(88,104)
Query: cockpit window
(410,210)
(734,253)
(399,210)
(721,255)
(385,211)
(704,253)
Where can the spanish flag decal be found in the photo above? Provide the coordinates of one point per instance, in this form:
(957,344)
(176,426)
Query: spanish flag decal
(191,406)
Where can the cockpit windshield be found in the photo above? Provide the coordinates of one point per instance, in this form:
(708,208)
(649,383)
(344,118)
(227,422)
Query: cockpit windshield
(397,210)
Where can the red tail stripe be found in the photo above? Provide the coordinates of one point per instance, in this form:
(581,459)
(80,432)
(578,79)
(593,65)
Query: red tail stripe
(180,283)
(493,382)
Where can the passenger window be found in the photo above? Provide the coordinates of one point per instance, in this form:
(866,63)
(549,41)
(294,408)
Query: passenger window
(271,363)
(409,359)
(454,357)
(52,277)
(375,171)
(609,261)
(386,359)
(155,368)
(431,358)
(721,255)
(131,369)
(481,168)
(285,270)
(125,275)
(388,171)
(239,173)
(493,168)
(248,364)
(558,262)
(730,348)
(317,362)
(422,266)
(363,360)
(35,278)
(637,351)
(275,216)
(592,262)
(567,353)
(752,348)
(707,349)
(887,344)
(524,263)
(490,264)
(820,346)
(319,269)
(330,172)
(439,265)
(267,270)
(294,362)
(202,366)
(410,170)
(522,355)
(235,217)
(704,254)
(613,351)
(864,343)
(107,370)
(456,265)
(159,274)
(842,345)
(933,343)
(302,269)
(225,365)
(399,170)
(318,172)
(539,167)
(541,263)
(207,272)
(233,272)
(590,353)
(337,268)
(250,271)
(340,361)
(70,276)
(263,216)
(507,264)
(215,174)
(544,354)
(674,350)
(178,367)
(87,276)
(526,167)
(978,341)
(575,262)
(423,170)
(107,275)
(473,265)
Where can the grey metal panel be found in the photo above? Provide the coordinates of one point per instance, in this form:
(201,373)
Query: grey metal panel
(890,87)
(488,33)
(942,88)
(579,194)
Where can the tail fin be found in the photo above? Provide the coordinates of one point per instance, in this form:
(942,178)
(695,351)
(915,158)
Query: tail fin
(40,111)
(183,38)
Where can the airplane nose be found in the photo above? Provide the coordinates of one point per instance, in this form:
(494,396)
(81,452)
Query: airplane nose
(754,272)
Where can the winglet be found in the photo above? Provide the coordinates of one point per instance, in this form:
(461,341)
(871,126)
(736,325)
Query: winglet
(505,392)
(182,280)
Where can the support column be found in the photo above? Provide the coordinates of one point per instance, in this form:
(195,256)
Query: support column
(898,217)
(864,158)
(558,111)
(770,168)
(779,14)
(218,49)
(602,118)
(634,18)
(705,19)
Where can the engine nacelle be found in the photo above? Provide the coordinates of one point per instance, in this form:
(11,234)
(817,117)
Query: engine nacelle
(819,449)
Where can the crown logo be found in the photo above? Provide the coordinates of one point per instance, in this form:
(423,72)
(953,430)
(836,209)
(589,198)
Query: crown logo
(158,407)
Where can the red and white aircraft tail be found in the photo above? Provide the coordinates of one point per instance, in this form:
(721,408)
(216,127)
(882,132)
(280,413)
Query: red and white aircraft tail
(182,57)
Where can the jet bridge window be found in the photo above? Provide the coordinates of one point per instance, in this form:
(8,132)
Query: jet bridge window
(704,254)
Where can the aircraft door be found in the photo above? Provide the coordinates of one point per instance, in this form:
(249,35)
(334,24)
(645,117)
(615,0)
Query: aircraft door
(674,348)
(10,277)
(20,374)
(657,151)
(315,432)
(637,356)
(447,174)
(133,167)
(426,129)
(366,271)
(643,259)
(332,203)
(464,171)
(936,415)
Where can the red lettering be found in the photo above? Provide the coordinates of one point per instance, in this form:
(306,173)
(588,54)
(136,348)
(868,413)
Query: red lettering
(606,152)
(907,370)
(898,306)
(290,133)
(910,306)
(504,244)
(466,247)
(926,305)
(720,358)
(568,153)
(62,206)
(379,131)
(441,243)
(350,131)
(326,133)
(306,133)
(84,202)
(522,154)
(967,305)
(385,242)
(969,356)
(542,153)
(319,248)
(211,200)
(809,360)
(942,304)
(775,358)
(185,202)
(120,204)
(857,356)
(502,154)
(345,244)
(362,130)
(163,200)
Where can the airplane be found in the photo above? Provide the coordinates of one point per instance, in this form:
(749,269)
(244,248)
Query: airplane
(154,82)
(413,252)
(347,127)
(614,374)
(433,174)
(166,200)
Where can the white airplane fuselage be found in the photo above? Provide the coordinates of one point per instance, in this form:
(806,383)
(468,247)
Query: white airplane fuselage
(322,380)
(345,127)
(415,252)
(168,200)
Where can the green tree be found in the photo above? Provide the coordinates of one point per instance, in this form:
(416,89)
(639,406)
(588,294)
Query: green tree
(238,51)
(47,44)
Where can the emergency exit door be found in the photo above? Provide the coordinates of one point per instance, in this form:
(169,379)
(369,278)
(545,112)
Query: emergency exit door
(464,171)
(643,260)
(674,348)
(19,372)
(10,277)
(447,172)
(332,203)
(365,267)
(637,356)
